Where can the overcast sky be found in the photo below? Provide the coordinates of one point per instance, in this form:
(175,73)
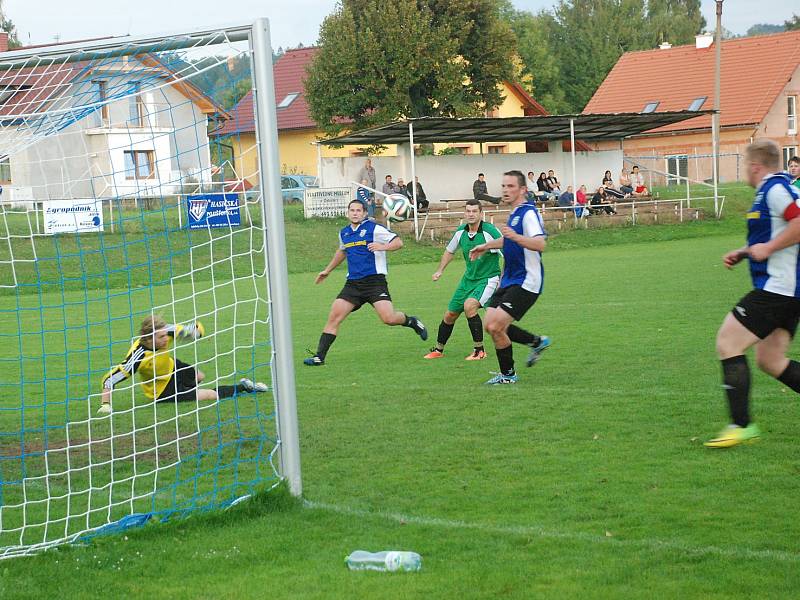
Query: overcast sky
(292,21)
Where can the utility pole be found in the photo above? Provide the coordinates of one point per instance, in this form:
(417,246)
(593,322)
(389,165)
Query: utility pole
(715,122)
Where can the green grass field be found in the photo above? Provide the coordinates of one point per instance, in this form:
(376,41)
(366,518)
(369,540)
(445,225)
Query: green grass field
(586,479)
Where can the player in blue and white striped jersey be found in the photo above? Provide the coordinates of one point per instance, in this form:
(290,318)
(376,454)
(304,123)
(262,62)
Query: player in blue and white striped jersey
(523,242)
(768,316)
(364,244)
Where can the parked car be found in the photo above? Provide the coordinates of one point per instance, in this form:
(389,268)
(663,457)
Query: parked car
(293,186)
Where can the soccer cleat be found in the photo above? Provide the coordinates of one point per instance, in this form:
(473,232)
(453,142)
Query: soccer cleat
(435,353)
(249,386)
(419,327)
(476,355)
(733,435)
(536,351)
(501,379)
(105,409)
(314,361)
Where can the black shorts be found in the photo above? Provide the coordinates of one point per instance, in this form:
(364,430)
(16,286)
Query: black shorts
(182,386)
(763,312)
(372,289)
(514,300)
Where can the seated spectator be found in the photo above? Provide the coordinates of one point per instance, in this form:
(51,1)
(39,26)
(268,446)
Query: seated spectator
(555,186)
(544,191)
(532,187)
(400,188)
(608,183)
(794,170)
(567,199)
(422,199)
(580,203)
(365,197)
(389,187)
(479,187)
(637,183)
(625,182)
(601,203)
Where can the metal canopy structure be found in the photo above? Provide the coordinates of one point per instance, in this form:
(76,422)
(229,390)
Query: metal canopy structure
(613,126)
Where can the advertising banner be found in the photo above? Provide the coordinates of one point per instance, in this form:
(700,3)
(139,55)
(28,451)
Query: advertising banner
(326,202)
(213,210)
(75,215)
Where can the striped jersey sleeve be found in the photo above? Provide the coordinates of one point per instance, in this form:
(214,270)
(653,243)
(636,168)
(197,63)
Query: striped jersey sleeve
(126,368)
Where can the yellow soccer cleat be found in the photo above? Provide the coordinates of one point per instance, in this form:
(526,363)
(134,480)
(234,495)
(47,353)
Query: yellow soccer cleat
(733,435)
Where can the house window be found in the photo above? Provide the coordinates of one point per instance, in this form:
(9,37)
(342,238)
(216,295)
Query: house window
(791,111)
(136,108)
(788,153)
(677,168)
(99,94)
(5,170)
(139,164)
(697,103)
(288,99)
(461,149)
(650,107)
(497,149)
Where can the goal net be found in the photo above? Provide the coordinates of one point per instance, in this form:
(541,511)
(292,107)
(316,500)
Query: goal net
(120,203)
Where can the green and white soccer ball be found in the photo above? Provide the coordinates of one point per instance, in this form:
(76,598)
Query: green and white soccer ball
(398,208)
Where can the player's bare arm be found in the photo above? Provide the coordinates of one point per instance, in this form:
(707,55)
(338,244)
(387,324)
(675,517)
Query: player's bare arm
(337,259)
(446,258)
(538,243)
(479,251)
(788,237)
(734,257)
(395,244)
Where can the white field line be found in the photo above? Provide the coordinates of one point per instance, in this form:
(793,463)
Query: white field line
(657,545)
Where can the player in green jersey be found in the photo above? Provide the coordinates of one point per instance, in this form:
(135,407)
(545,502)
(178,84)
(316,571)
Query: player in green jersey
(478,283)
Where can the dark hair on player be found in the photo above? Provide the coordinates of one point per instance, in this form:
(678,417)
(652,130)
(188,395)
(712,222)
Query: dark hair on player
(474,202)
(356,201)
(518,174)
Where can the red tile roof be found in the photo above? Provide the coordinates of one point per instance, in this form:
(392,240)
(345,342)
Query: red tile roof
(754,70)
(289,71)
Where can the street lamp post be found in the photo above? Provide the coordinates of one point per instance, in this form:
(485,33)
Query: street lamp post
(715,125)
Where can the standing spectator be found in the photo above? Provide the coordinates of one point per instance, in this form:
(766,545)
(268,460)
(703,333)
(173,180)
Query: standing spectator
(368,172)
(389,187)
(794,170)
(625,182)
(767,316)
(555,186)
(422,199)
(365,197)
(479,188)
(637,182)
(608,183)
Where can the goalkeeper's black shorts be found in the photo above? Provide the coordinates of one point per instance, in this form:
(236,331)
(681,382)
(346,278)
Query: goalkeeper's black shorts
(182,386)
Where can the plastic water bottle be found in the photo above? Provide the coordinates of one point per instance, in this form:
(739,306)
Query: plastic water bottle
(392,560)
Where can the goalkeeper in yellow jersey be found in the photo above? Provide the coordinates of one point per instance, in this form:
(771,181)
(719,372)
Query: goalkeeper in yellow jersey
(165,378)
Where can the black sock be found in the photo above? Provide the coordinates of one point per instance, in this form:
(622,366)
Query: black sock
(445,331)
(520,336)
(791,376)
(476,329)
(325,341)
(409,322)
(505,357)
(736,381)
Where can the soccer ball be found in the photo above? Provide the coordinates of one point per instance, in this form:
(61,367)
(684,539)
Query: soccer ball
(397,207)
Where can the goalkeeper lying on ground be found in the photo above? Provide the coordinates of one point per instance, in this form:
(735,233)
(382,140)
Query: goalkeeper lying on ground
(165,379)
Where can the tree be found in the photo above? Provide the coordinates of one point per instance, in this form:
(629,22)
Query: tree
(8,26)
(793,23)
(541,73)
(587,37)
(379,61)
(763,29)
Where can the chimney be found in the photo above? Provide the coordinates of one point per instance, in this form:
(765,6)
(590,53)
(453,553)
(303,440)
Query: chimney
(3,41)
(664,46)
(703,40)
